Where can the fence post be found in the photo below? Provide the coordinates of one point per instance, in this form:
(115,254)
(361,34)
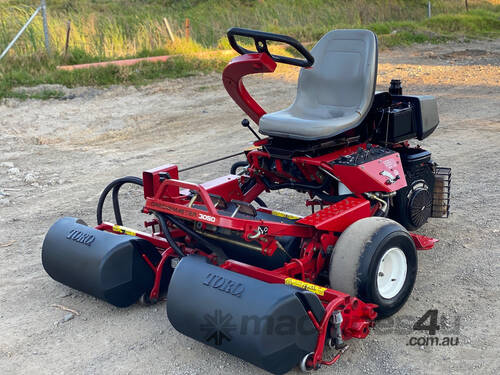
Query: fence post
(429,9)
(187,27)
(45,26)
(169,30)
(68,31)
(466,6)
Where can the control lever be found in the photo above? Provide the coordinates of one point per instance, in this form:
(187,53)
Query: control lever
(246,124)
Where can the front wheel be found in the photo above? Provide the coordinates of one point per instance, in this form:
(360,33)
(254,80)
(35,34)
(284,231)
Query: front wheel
(375,259)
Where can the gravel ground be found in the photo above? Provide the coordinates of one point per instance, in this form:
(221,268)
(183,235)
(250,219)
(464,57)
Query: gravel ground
(57,155)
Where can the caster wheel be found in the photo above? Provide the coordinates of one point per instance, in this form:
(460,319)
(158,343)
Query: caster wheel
(144,300)
(331,343)
(303,364)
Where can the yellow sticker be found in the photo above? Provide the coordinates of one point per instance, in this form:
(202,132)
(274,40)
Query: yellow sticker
(251,148)
(286,215)
(319,290)
(120,229)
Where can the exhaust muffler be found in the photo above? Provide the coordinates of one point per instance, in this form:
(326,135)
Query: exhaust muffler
(105,265)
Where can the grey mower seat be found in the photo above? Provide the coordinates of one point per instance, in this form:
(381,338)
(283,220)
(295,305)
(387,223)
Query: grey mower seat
(335,94)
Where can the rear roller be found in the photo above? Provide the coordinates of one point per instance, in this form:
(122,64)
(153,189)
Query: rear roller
(105,265)
(264,324)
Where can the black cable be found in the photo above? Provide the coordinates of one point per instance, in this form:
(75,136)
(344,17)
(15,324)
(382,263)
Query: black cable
(221,256)
(294,185)
(316,189)
(211,161)
(260,202)
(116,204)
(237,165)
(116,184)
(249,184)
(168,236)
(332,198)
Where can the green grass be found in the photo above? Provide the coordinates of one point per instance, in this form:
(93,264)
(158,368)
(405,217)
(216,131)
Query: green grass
(41,71)
(473,24)
(117,28)
(41,95)
(105,29)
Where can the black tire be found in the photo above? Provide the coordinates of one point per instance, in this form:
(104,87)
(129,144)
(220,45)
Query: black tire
(354,263)
(412,204)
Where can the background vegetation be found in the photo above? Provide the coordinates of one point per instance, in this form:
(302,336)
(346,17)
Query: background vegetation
(105,29)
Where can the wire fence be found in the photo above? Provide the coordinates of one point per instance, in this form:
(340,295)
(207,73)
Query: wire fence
(90,34)
(116,35)
(43,10)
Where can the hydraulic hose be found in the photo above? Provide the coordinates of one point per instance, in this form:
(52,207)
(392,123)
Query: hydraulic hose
(221,256)
(260,202)
(118,183)
(168,236)
(237,165)
(115,185)
(249,184)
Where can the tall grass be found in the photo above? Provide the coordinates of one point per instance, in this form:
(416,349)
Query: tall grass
(119,28)
(94,34)
(107,29)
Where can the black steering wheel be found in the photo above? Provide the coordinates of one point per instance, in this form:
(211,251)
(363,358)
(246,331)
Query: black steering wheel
(260,38)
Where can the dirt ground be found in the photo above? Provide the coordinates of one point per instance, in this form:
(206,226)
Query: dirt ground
(56,156)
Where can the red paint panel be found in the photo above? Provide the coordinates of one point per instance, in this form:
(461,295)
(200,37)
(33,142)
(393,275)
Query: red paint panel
(151,179)
(423,242)
(338,216)
(227,187)
(372,176)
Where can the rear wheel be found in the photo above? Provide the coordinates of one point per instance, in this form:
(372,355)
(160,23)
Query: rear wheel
(375,260)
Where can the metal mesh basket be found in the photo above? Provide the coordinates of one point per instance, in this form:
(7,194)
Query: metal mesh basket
(441,195)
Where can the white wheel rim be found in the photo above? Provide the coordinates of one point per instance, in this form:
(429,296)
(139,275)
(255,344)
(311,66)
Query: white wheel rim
(391,273)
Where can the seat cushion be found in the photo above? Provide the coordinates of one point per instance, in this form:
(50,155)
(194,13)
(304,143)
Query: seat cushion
(285,124)
(334,95)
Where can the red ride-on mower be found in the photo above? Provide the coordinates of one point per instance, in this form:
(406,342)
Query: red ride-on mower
(271,287)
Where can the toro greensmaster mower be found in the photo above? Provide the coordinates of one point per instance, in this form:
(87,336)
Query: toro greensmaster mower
(268,286)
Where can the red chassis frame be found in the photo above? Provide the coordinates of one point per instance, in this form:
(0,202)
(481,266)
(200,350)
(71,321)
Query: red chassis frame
(164,193)
(171,196)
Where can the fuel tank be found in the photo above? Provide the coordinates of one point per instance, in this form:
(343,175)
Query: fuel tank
(105,265)
(264,324)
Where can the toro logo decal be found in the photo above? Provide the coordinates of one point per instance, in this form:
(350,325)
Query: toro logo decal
(80,237)
(206,218)
(224,285)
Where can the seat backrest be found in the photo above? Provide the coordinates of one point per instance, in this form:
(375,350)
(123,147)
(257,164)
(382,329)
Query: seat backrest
(343,78)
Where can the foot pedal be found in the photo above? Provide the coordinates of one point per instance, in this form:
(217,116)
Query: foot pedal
(337,217)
